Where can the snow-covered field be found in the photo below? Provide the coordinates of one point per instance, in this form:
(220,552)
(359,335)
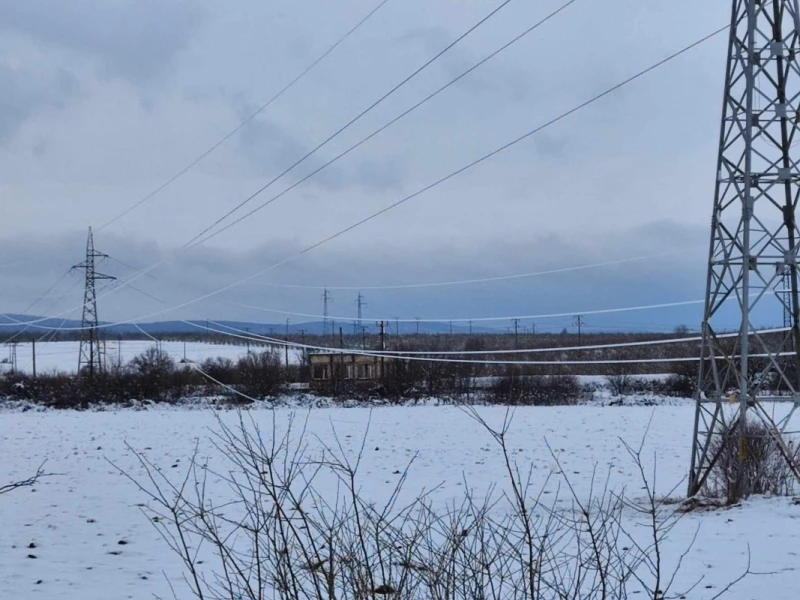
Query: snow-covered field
(63,356)
(77,517)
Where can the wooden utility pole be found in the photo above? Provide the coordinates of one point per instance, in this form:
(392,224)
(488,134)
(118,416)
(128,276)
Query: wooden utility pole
(287,343)
(33,350)
(516,333)
(382,326)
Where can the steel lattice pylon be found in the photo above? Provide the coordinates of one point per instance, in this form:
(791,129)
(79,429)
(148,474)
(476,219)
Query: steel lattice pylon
(754,235)
(90,355)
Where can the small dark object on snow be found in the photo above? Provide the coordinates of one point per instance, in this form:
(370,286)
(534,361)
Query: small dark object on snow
(376,448)
(39,581)
(384,590)
(116,552)
(122,542)
(31,556)
(31,545)
(396,473)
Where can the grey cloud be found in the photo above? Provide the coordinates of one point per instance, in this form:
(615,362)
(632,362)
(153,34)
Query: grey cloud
(270,149)
(133,39)
(26,93)
(495,79)
(673,278)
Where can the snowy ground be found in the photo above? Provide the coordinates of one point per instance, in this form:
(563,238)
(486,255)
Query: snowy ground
(63,356)
(76,518)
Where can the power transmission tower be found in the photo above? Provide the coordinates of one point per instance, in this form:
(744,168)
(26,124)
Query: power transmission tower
(90,355)
(12,355)
(580,323)
(753,236)
(326,299)
(361,304)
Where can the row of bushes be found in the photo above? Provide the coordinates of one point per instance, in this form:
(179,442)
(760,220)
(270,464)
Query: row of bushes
(154,375)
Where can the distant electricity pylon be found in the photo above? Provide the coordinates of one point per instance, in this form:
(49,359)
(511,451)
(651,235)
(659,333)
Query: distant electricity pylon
(326,300)
(90,355)
(754,237)
(361,304)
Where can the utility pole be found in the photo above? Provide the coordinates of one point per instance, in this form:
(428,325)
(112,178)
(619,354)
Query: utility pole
(470,326)
(580,324)
(33,354)
(515,323)
(286,347)
(12,355)
(397,326)
(451,329)
(382,327)
(417,320)
(754,236)
(90,354)
(303,344)
(326,300)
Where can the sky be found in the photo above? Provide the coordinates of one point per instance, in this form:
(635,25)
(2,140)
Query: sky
(103,102)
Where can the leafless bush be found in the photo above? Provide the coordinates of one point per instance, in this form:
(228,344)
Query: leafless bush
(296,527)
(515,387)
(221,369)
(619,384)
(261,373)
(751,464)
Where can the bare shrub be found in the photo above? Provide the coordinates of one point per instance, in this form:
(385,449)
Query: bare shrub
(514,387)
(260,373)
(759,468)
(153,362)
(221,369)
(296,527)
(620,384)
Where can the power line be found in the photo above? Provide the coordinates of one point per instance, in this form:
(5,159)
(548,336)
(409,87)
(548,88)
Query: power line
(602,311)
(390,354)
(249,118)
(404,286)
(348,124)
(196,239)
(423,190)
(37,300)
(405,113)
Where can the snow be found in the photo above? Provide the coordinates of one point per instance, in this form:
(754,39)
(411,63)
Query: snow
(76,517)
(63,356)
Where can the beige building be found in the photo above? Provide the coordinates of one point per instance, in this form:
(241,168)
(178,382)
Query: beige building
(358,368)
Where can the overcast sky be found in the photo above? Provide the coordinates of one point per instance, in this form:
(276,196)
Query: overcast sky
(104,101)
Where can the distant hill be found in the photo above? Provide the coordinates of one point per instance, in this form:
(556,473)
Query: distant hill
(14,323)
